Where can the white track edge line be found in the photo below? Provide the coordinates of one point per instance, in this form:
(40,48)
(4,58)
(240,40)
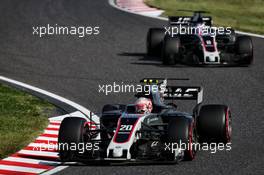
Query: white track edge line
(54,170)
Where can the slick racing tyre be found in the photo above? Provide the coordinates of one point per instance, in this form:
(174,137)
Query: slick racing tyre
(171,50)
(70,132)
(214,124)
(183,132)
(155,38)
(244,49)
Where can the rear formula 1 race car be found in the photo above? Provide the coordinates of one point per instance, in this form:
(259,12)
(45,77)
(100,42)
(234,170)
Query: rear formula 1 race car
(193,40)
(125,135)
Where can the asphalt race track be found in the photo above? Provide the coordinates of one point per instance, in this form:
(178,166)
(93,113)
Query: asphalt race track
(74,67)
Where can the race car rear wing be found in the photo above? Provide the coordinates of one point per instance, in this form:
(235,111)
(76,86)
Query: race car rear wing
(176,20)
(176,92)
(179,19)
(184,93)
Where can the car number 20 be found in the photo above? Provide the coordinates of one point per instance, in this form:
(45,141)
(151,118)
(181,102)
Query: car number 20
(126,127)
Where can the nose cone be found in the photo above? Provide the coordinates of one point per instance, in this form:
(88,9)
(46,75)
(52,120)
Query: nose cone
(117,152)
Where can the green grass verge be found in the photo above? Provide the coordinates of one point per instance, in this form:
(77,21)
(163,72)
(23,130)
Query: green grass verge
(244,15)
(22,118)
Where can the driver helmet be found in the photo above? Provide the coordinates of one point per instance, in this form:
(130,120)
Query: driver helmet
(143,105)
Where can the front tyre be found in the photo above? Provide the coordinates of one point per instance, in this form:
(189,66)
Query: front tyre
(155,38)
(171,50)
(214,123)
(182,132)
(244,50)
(71,132)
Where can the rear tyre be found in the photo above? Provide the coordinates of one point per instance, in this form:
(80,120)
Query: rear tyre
(155,38)
(70,132)
(244,49)
(214,123)
(183,132)
(171,50)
